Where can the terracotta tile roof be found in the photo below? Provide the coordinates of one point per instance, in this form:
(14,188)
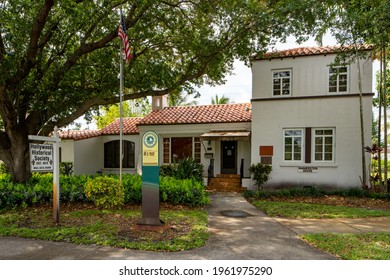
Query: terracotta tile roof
(228,113)
(129,127)
(78,134)
(307,51)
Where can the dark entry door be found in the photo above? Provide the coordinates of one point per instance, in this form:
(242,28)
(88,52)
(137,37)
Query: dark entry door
(229,157)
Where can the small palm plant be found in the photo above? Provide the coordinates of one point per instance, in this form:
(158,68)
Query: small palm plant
(186,168)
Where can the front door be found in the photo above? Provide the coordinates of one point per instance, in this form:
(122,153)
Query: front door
(229,157)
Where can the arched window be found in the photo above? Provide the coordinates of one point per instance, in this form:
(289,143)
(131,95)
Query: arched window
(111,154)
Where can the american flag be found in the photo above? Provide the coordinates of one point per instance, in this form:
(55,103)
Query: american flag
(122,34)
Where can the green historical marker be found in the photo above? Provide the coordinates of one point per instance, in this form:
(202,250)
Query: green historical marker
(150,180)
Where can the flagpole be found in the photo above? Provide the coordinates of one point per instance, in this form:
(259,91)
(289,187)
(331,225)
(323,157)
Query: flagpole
(121,113)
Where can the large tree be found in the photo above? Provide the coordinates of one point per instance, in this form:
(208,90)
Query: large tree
(351,22)
(60,59)
(362,21)
(131,108)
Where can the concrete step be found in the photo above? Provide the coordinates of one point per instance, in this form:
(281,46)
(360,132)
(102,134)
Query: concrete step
(226,189)
(216,183)
(227,180)
(226,183)
(228,176)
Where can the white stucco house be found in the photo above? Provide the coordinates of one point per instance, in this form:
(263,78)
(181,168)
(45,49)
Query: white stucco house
(306,116)
(303,119)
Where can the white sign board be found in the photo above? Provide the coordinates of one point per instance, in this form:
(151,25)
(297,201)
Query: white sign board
(41,157)
(307,169)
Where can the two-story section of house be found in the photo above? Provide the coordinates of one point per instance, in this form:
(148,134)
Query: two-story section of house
(306,116)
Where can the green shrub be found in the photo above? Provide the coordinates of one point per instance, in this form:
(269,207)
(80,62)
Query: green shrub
(260,173)
(186,168)
(104,192)
(66,168)
(314,192)
(72,188)
(187,192)
(39,190)
(168,170)
(132,185)
(3,168)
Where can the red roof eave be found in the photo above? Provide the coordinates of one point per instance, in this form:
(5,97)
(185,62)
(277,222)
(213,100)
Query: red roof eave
(311,51)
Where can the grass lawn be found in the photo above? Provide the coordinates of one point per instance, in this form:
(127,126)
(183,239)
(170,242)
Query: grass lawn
(187,227)
(314,211)
(364,246)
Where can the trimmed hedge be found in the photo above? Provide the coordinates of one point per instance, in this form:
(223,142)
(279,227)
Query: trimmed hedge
(188,191)
(314,192)
(38,190)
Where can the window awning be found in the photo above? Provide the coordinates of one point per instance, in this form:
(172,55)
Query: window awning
(226,135)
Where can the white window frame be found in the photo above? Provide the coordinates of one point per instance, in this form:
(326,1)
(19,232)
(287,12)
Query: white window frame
(338,80)
(302,136)
(281,82)
(323,144)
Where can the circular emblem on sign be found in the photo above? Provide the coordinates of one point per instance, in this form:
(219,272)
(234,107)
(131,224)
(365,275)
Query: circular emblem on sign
(150,139)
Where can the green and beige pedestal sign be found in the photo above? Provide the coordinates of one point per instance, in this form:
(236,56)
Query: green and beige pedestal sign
(150,180)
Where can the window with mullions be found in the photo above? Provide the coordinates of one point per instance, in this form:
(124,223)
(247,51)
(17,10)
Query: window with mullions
(293,144)
(323,144)
(338,79)
(177,148)
(111,154)
(281,81)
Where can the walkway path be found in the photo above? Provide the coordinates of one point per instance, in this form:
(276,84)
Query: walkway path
(256,236)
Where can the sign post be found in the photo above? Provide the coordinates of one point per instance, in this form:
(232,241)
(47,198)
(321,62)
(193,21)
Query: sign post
(150,180)
(44,158)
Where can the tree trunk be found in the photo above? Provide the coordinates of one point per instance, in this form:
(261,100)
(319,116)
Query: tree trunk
(379,143)
(385,116)
(16,156)
(365,182)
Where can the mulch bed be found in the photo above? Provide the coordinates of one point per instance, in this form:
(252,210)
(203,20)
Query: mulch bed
(367,203)
(40,217)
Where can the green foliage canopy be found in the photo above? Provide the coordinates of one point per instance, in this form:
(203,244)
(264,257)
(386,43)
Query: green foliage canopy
(60,59)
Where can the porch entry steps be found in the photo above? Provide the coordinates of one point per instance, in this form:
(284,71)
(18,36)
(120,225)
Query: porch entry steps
(225,183)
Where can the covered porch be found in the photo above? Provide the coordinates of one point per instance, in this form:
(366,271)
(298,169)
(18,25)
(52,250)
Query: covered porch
(228,152)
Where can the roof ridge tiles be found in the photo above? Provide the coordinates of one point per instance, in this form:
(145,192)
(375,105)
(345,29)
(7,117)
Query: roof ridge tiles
(218,113)
(307,51)
(197,114)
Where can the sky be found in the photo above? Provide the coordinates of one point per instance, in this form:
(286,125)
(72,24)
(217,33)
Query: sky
(238,85)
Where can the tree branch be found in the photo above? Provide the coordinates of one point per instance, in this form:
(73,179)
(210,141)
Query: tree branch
(89,47)
(47,36)
(2,48)
(29,61)
(7,111)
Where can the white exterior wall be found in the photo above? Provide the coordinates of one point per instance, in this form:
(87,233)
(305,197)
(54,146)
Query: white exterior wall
(67,150)
(86,156)
(274,116)
(195,130)
(270,115)
(108,138)
(310,75)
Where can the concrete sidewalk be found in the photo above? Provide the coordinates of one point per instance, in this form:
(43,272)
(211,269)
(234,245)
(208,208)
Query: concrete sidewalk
(361,225)
(238,232)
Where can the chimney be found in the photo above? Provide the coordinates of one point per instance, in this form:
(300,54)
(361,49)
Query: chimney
(159,102)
